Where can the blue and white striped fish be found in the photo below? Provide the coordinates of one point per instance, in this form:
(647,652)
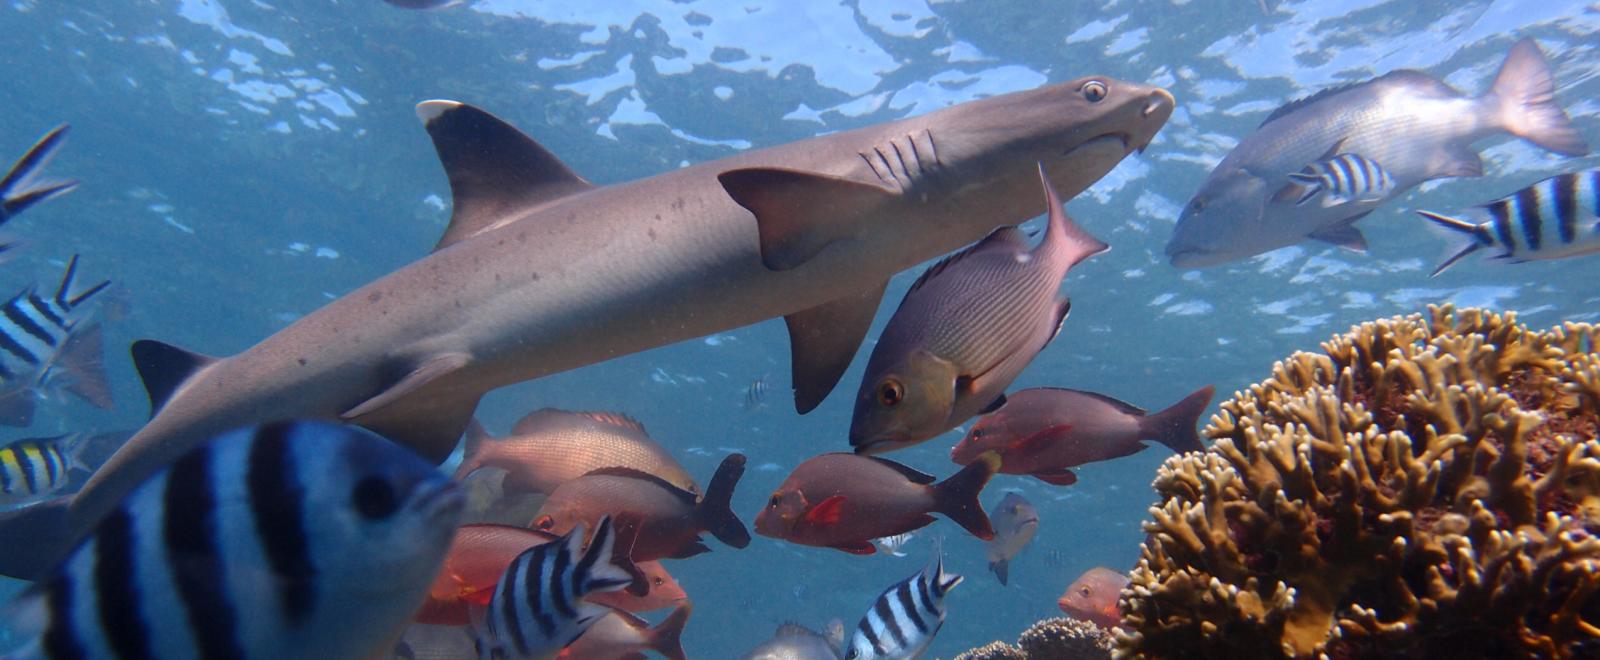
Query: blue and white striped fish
(1343,179)
(906,616)
(20,188)
(34,468)
(538,608)
(289,540)
(45,345)
(1552,219)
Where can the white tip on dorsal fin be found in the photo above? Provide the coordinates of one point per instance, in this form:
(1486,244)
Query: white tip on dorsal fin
(496,172)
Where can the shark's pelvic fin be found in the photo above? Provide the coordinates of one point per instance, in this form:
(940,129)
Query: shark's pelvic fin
(494,169)
(800,213)
(164,368)
(427,419)
(823,340)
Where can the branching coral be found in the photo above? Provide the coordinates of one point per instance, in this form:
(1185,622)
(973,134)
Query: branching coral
(1425,486)
(1050,639)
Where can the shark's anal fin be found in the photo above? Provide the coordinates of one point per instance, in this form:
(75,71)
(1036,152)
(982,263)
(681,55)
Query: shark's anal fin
(823,340)
(164,368)
(800,213)
(426,419)
(494,169)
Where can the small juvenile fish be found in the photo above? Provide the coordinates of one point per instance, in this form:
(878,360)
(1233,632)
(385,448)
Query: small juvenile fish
(1015,522)
(1552,219)
(793,641)
(666,519)
(20,189)
(755,396)
(550,447)
(965,330)
(1093,597)
(624,636)
(894,545)
(843,501)
(253,545)
(1046,431)
(539,606)
(35,468)
(1343,179)
(45,345)
(905,617)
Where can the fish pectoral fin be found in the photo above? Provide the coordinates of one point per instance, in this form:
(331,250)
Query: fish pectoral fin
(998,403)
(164,368)
(1063,310)
(824,339)
(857,548)
(1295,192)
(1454,160)
(494,169)
(826,512)
(413,414)
(798,214)
(1062,477)
(1344,235)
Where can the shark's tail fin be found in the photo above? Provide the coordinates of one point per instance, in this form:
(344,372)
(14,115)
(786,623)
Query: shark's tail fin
(18,190)
(1525,92)
(1461,238)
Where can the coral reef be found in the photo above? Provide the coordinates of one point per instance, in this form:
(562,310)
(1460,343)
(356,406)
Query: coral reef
(1426,486)
(1050,639)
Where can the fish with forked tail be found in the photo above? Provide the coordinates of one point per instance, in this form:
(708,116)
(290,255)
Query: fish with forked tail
(1015,522)
(550,447)
(48,344)
(844,501)
(1046,431)
(1555,218)
(1410,124)
(965,330)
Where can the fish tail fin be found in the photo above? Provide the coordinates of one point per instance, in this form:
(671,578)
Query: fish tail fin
(1001,568)
(82,364)
(1175,426)
(1461,238)
(607,571)
(957,497)
(47,526)
(835,633)
(69,299)
(1524,93)
(17,405)
(716,509)
(1077,242)
(665,638)
(472,453)
(18,191)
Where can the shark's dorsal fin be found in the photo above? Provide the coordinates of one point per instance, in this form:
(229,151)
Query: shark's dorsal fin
(823,340)
(164,368)
(494,169)
(800,213)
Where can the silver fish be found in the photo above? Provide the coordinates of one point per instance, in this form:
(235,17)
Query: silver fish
(47,345)
(793,641)
(894,545)
(1552,219)
(965,330)
(905,617)
(290,540)
(1343,179)
(1418,127)
(1015,522)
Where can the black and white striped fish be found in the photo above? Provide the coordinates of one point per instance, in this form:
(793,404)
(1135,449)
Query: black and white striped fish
(289,540)
(34,468)
(1343,179)
(906,616)
(21,188)
(46,345)
(538,608)
(1554,218)
(755,396)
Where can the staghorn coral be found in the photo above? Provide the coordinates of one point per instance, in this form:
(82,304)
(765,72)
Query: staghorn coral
(1425,486)
(1050,639)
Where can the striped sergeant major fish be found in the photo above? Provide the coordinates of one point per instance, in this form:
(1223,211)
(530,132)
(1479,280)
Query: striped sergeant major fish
(44,345)
(34,468)
(288,540)
(1554,218)
(906,616)
(21,188)
(1343,179)
(538,608)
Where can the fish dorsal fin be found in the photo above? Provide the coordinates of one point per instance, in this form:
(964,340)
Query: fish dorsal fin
(1009,235)
(544,418)
(1299,103)
(916,476)
(618,420)
(1119,404)
(164,368)
(535,421)
(494,169)
(686,496)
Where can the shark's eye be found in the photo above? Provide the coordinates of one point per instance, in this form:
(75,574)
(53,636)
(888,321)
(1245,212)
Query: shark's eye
(890,393)
(1094,90)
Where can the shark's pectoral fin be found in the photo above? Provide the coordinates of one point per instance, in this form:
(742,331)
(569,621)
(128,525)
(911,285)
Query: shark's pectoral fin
(429,420)
(823,340)
(1344,235)
(800,213)
(164,368)
(494,169)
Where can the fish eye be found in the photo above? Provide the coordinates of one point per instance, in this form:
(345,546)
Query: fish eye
(1198,204)
(774,500)
(658,581)
(1084,591)
(374,498)
(890,393)
(977,433)
(544,522)
(1094,91)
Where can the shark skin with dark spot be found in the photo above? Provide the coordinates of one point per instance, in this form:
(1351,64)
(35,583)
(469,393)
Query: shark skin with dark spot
(540,271)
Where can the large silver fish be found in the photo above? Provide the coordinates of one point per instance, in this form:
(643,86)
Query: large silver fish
(965,330)
(1409,123)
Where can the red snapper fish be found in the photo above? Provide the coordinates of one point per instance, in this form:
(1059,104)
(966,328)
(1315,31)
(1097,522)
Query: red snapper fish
(1045,431)
(1093,597)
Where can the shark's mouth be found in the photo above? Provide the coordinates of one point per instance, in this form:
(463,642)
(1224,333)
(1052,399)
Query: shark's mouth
(1119,141)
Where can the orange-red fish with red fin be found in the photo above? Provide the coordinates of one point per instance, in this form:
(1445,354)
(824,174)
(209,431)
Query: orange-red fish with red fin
(668,520)
(1046,431)
(1093,597)
(843,501)
(550,447)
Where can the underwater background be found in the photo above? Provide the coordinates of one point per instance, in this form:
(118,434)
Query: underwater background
(243,162)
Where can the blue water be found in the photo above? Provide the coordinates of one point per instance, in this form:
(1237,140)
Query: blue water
(243,162)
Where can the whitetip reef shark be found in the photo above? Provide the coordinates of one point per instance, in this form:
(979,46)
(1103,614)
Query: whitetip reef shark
(540,271)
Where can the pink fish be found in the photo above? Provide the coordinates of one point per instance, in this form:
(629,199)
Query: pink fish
(1093,597)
